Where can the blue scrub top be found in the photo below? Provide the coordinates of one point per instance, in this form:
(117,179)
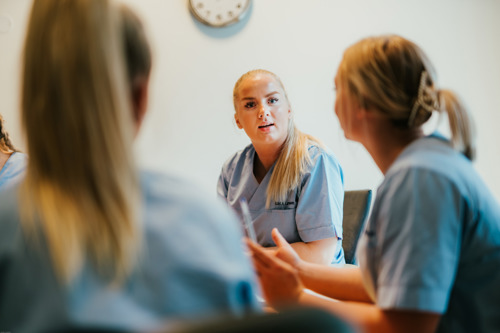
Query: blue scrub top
(311,212)
(13,170)
(192,268)
(432,242)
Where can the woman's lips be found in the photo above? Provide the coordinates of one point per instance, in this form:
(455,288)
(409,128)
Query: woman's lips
(266,126)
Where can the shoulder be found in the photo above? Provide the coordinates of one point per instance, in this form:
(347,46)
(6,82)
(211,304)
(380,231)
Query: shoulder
(13,170)
(323,168)
(19,157)
(172,199)
(167,187)
(15,164)
(432,158)
(323,157)
(238,159)
(432,174)
(183,220)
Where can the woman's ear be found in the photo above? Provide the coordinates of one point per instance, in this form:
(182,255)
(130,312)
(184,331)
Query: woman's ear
(237,121)
(140,94)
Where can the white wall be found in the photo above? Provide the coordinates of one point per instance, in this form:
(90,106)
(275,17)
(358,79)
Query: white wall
(190,128)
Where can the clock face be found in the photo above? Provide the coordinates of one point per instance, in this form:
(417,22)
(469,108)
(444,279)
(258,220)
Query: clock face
(219,13)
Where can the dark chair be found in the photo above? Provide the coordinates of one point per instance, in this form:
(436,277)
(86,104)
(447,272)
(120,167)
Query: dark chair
(297,320)
(356,210)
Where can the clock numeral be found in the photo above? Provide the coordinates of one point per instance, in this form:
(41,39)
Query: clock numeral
(219,17)
(230,14)
(199,5)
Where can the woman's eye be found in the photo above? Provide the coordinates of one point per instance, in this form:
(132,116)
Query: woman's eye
(273,100)
(249,105)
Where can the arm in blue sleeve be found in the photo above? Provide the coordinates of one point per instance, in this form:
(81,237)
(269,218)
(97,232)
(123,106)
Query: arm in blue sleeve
(320,204)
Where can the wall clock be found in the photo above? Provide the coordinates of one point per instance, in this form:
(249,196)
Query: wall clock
(219,13)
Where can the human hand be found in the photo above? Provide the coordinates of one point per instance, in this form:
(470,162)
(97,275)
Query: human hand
(284,250)
(279,280)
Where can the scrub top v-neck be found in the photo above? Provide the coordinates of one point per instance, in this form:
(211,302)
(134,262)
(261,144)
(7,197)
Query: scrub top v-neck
(311,212)
(13,170)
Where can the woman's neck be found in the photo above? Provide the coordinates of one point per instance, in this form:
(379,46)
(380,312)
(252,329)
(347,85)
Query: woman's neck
(264,160)
(385,143)
(3,158)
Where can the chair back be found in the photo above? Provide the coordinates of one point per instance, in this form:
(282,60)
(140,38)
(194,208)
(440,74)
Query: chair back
(356,210)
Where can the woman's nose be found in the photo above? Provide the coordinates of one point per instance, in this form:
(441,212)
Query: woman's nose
(264,112)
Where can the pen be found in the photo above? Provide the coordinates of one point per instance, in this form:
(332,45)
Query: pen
(247,220)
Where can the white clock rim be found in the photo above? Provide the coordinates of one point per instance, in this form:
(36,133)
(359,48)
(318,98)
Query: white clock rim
(238,18)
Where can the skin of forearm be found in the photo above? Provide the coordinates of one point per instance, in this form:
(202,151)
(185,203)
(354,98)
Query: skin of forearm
(343,310)
(369,318)
(319,252)
(316,252)
(341,283)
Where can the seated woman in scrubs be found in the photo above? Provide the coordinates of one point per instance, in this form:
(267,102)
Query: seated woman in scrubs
(12,162)
(86,241)
(430,255)
(290,180)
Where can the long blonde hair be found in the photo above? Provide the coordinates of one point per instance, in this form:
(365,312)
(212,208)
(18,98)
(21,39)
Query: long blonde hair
(294,159)
(81,189)
(393,75)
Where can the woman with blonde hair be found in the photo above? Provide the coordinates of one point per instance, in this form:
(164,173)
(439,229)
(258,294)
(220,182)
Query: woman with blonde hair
(86,240)
(12,162)
(430,253)
(290,180)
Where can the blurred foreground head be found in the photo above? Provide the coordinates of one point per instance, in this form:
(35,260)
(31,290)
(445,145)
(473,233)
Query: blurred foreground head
(82,59)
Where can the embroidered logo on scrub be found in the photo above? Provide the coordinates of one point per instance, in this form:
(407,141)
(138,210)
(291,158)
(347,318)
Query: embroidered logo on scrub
(284,203)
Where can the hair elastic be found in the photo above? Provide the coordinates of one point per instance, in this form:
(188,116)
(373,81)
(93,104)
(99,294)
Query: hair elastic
(426,98)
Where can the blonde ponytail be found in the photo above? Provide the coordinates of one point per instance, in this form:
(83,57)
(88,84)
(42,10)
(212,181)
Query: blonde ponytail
(461,124)
(291,165)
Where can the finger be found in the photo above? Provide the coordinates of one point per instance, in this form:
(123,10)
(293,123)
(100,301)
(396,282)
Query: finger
(250,245)
(253,246)
(266,271)
(256,252)
(259,267)
(278,239)
(258,263)
(264,257)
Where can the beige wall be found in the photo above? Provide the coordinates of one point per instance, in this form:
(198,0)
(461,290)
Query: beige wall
(190,129)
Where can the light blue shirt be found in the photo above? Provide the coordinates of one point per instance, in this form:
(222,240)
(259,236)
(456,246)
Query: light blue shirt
(13,170)
(311,212)
(193,267)
(433,240)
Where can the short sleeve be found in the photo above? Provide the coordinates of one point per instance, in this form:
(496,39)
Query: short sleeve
(418,233)
(222,185)
(321,198)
